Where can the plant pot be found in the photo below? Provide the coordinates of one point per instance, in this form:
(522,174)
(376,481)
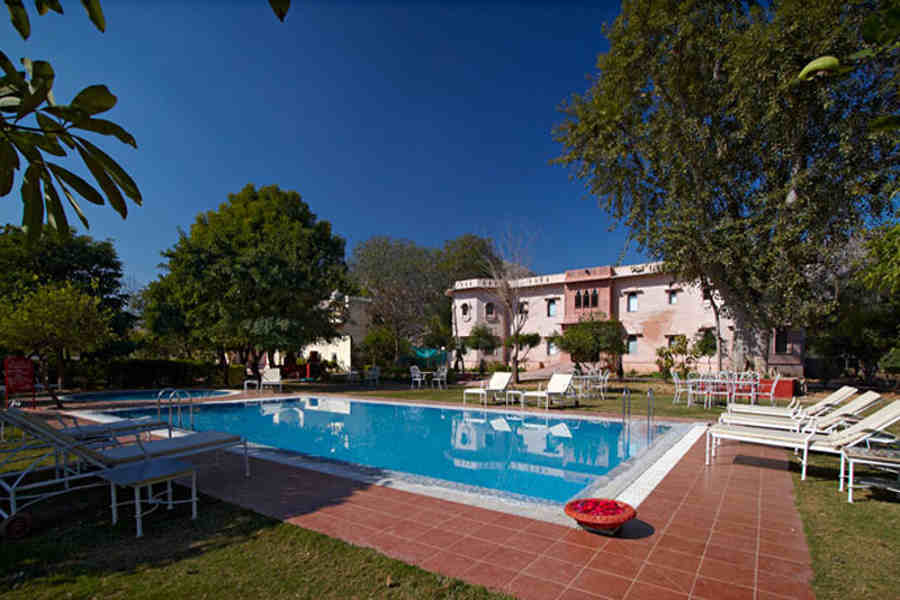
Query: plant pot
(600,515)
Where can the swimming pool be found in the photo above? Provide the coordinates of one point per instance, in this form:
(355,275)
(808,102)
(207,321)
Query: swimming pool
(528,456)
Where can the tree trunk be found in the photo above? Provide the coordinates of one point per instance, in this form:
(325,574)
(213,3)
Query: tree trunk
(718,318)
(60,369)
(749,343)
(254,364)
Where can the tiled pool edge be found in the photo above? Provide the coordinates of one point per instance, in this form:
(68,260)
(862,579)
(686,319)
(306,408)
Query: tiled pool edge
(638,490)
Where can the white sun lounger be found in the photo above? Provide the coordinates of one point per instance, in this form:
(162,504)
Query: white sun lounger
(823,422)
(794,408)
(557,387)
(496,386)
(832,443)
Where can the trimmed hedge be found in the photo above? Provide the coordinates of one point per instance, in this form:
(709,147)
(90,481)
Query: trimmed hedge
(141,373)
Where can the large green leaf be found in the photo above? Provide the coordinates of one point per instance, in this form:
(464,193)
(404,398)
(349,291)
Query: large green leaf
(9,162)
(118,174)
(107,128)
(56,215)
(51,128)
(74,204)
(44,5)
(823,64)
(19,17)
(94,99)
(14,74)
(69,113)
(84,189)
(33,204)
(106,184)
(280,7)
(95,12)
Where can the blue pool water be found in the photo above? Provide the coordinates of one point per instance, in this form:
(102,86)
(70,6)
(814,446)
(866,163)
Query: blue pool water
(541,457)
(140,395)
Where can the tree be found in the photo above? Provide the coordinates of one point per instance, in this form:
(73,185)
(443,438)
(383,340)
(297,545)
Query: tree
(461,258)
(91,266)
(28,95)
(52,319)
(862,328)
(676,357)
(403,282)
(698,137)
(381,347)
(257,274)
(593,340)
(705,345)
(508,262)
(882,270)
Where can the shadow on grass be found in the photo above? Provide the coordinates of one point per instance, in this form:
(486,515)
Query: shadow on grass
(72,536)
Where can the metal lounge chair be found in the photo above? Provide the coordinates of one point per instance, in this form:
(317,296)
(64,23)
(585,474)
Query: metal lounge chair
(832,443)
(557,387)
(822,422)
(495,387)
(794,408)
(77,463)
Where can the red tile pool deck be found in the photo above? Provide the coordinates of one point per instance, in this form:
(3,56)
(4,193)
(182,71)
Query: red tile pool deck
(729,531)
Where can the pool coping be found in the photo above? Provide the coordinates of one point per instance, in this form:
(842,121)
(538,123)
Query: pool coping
(631,481)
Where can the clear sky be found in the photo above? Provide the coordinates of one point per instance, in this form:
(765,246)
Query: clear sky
(416,120)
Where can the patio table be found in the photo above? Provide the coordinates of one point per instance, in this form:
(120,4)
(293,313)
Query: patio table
(143,475)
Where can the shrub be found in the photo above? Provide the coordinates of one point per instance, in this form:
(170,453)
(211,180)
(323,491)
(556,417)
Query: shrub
(890,362)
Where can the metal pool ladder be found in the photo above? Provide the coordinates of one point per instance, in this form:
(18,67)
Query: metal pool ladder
(176,399)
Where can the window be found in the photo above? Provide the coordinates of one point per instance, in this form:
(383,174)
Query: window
(489,309)
(552,348)
(673,297)
(523,308)
(632,344)
(671,339)
(577,299)
(464,309)
(594,299)
(632,302)
(781,341)
(551,307)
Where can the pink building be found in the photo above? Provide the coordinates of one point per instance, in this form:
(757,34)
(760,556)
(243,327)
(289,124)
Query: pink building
(652,307)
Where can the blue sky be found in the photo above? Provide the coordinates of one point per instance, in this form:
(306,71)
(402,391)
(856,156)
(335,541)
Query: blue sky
(415,120)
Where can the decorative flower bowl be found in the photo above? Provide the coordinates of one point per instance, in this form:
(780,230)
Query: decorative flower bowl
(600,515)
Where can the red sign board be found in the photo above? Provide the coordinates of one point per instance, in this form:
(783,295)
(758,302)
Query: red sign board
(19,374)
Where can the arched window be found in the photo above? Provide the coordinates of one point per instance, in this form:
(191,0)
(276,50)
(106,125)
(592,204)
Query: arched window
(594,299)
(464,309)
(577,299)
(489,309)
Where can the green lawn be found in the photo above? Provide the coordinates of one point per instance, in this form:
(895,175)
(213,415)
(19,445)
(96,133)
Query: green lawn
(663,406)
(854,546)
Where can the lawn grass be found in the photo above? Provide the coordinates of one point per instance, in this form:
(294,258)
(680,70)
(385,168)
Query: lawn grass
(226,553)
(663,406)
(853,546)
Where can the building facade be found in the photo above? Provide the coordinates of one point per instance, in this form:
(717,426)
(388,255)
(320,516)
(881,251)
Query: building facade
(652,307)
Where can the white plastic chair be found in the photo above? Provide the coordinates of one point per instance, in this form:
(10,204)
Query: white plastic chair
(415,377)
(439,377)
(681,387)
